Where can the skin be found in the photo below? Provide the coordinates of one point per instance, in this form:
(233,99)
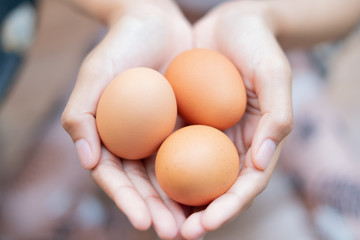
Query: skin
(252,35)
(133,40)
(251,45)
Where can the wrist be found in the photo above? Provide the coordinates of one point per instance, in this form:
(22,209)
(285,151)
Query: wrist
(271,17)
(272,12)
(265,11)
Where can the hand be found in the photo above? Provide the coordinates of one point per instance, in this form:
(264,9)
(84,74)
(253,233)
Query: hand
(243,32)
(145,34)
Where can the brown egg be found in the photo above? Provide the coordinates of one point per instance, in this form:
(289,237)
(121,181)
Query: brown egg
(136,112)
(208,88)
(196,164)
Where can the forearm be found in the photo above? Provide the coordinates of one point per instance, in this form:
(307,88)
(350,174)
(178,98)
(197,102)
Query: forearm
(301,23)
(102,10)
(108,11)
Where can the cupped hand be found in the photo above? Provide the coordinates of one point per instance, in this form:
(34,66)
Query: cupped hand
(245,33)
(148,35)
(151,36)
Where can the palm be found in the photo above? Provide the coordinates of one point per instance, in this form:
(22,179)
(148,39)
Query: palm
(244,37)
(153,43)
(132,184)
(240,196)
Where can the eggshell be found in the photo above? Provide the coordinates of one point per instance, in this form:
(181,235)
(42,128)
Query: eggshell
(136,112)
(196,164)
(208,88)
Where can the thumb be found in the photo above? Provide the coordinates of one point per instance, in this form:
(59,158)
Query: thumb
(275,102)
(78,118)
(81,129)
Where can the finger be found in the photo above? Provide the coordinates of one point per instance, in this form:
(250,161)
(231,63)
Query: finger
(232,203)
(266,72)
(177,211)
(250,183)
(268,75)
(273,80)
(78,118)
(175,208)
(82,128)
(162,219)
(192,227)
(110,176)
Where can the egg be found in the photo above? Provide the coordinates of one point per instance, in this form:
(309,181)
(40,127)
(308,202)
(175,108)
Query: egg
(208,87)
(196,164)
(135,113)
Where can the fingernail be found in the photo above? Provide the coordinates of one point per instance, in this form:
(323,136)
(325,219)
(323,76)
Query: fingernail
(84,153)
(265,153)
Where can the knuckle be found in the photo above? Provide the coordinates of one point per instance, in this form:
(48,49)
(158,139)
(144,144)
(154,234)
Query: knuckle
(68,121)
(284,122)
(263,185)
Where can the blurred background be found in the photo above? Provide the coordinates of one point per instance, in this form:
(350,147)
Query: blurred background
(45,194)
